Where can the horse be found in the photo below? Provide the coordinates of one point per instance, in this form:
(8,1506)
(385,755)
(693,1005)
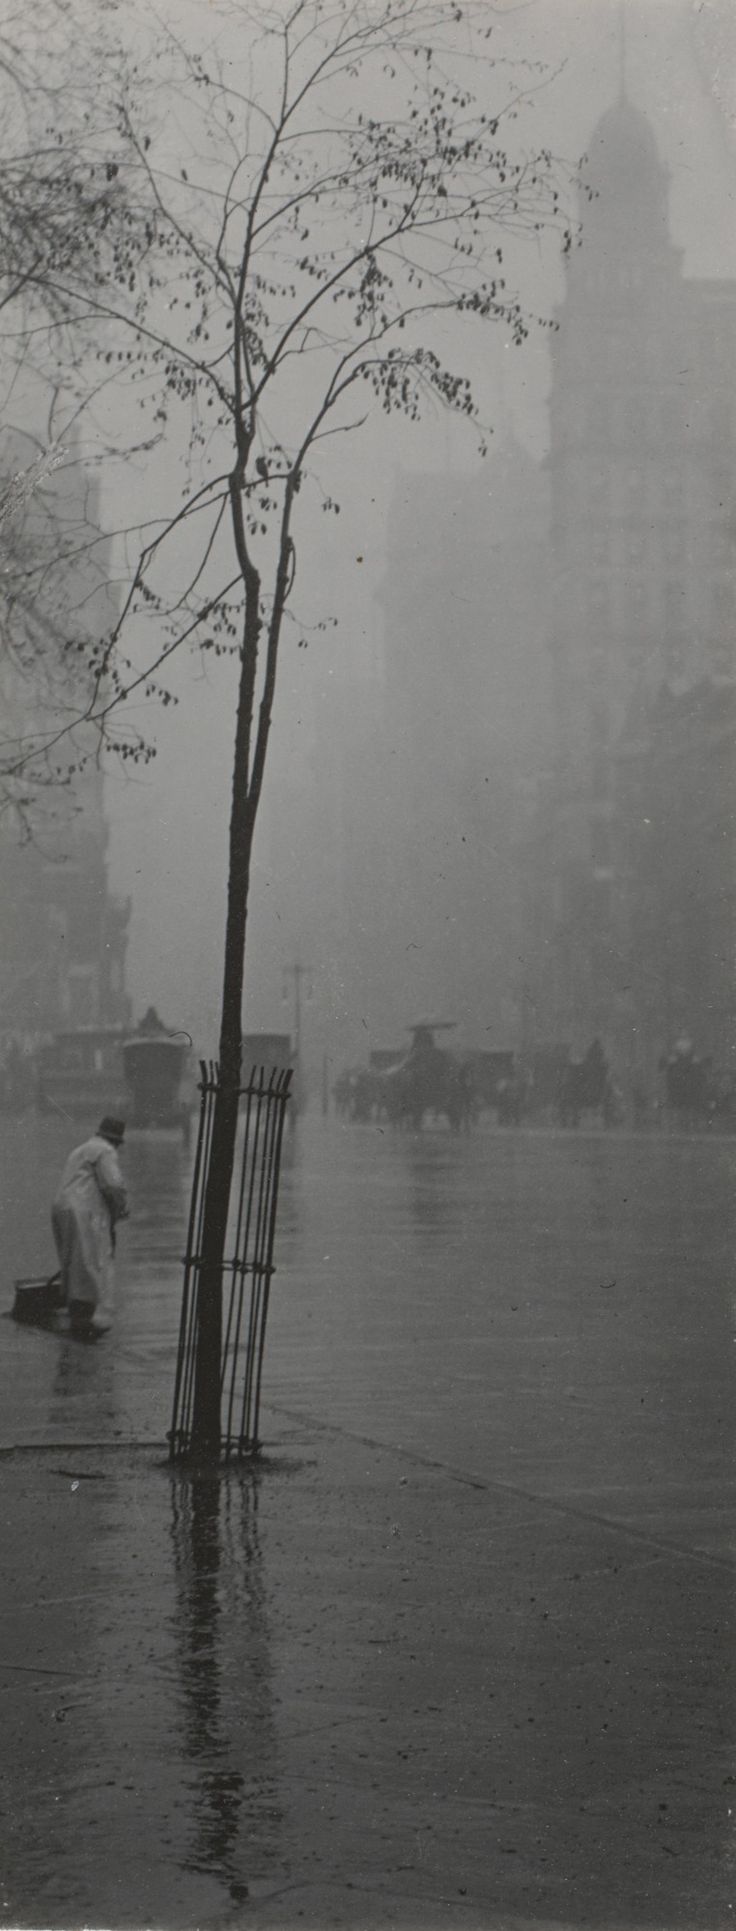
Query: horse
(510,1095)
(585,1086)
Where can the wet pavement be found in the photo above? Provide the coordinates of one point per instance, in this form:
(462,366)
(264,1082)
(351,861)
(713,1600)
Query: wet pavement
(459,1654)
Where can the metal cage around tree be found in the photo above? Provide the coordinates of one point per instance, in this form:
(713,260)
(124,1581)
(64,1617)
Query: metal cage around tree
(247,1273)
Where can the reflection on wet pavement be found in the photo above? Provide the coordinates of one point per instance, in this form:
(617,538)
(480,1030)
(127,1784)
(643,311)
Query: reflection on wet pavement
(225,1674)
(83,1383)
(480,1670)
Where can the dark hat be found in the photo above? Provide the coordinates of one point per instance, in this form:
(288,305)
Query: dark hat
(112,1130)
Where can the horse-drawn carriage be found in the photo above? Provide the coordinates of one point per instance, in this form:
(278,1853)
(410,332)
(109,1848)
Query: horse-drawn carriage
(563,1089)
(407,1087)
(428,1080)
(155,1066)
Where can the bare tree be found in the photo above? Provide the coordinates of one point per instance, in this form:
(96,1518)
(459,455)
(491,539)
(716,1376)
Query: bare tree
(296,223)
(55,599)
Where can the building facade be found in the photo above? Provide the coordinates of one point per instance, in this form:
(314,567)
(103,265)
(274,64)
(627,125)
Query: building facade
(64,934)
(643,540)
(64,937)
(465,733)
(674,870)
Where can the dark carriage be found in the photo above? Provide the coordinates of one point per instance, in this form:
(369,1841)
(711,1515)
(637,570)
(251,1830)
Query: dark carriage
(155,1064)
(406,1087)
(427,1081)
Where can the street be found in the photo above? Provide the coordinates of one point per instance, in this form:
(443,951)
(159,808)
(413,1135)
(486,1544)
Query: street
(460,1653)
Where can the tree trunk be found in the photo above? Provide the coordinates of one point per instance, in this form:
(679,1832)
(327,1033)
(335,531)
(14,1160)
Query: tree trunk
(246,792)
(206,1435)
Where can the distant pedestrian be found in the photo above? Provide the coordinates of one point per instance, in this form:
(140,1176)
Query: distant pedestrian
(90,1201)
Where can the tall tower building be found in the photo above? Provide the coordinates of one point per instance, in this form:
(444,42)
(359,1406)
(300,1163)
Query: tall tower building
(642,443)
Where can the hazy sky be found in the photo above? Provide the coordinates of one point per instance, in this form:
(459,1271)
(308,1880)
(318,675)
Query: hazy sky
(169,827)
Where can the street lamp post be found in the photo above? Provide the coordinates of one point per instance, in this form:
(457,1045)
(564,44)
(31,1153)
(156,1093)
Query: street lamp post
(298,973)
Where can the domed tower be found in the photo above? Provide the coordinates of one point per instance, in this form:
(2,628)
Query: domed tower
(635,468)
(616,422)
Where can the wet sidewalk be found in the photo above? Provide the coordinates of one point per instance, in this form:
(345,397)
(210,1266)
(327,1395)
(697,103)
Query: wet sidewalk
(460,1653)
(357,1688)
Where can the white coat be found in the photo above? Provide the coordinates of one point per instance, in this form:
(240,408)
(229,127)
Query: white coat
(90,1199)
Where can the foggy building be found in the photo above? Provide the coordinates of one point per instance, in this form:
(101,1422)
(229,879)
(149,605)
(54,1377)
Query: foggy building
(64,932)
(675,804)
(314,859)
(386,856)
(641,468)
(454,831)
(466,728)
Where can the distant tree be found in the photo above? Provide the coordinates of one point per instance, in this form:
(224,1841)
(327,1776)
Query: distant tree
(55,599)
(57,123)
(60,204)
(295,222)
